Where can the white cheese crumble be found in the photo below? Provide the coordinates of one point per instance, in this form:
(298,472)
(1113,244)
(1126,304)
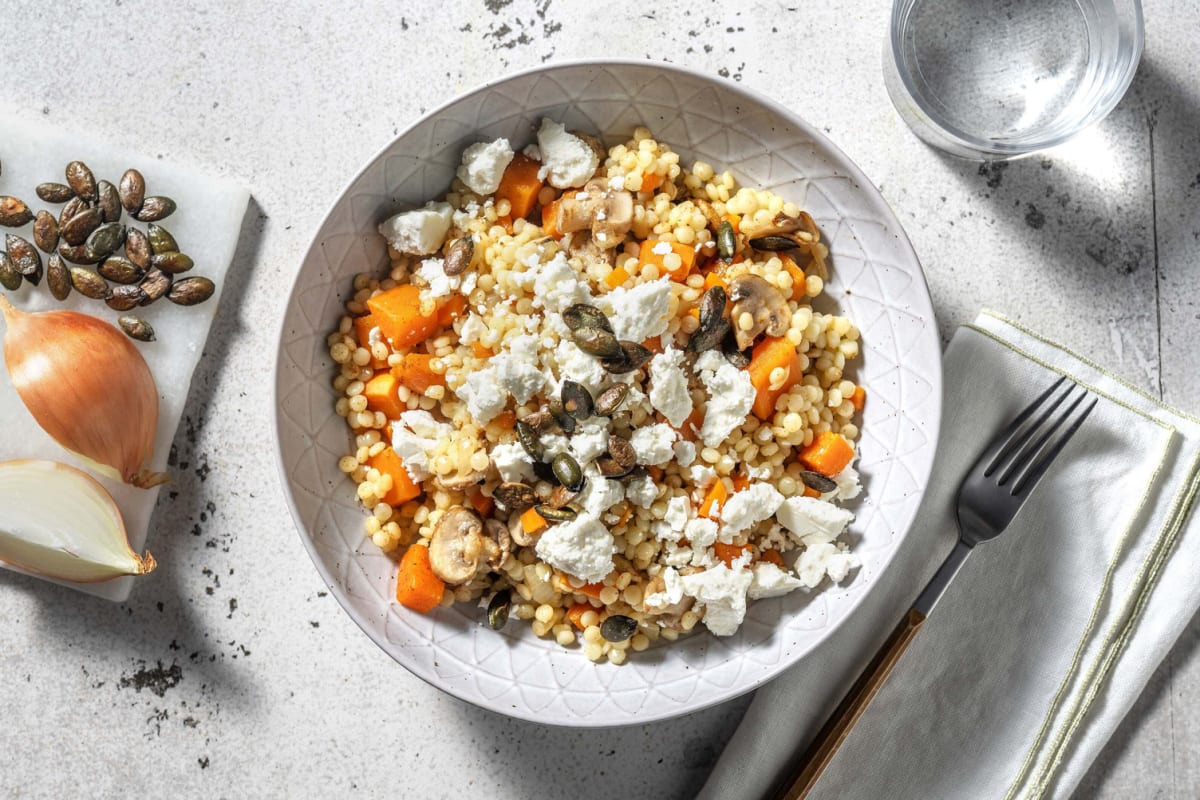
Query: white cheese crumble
(669,387)
(590,440)
(581,547)
(433,272)
(576,365)
(685,452)
(812,520)
(567,160)
(848,486)
(641,491)
(821,559)
(483,165)
(671,594)
(554,284)
(747,508)
(661,249)
(600,494)
(639,312)
(512,462)
(652,444)
(730,397)
(770,581)
(420,231)
(473,329)
(415,438)
(701,532)
(514,371)
(702,475)
(722,592)
(675,520)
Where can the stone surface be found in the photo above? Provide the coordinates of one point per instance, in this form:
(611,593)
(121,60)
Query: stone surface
(229,671)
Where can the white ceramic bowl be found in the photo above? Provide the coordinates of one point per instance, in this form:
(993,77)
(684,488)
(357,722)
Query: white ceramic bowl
(876,280)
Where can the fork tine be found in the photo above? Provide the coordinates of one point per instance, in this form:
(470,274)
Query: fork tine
(1035,472)
(1033,442)
(1011,440)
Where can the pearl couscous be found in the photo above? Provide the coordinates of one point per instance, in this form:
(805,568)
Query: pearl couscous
(591,393)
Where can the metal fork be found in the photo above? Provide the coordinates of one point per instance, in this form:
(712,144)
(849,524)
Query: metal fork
(995,488)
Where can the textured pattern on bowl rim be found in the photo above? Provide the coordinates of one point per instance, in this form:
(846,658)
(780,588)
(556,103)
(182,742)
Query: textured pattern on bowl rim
(876,280)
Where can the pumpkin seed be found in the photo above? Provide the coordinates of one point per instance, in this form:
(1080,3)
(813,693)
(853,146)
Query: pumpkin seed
(543,471)
(567,471)
(172,263)
(582,315)
(726,241)
(58,277)
(125,298)
(77,254)
(54,192)
(818,482)
(497,612)
(458,256)
(622,454)
(705,339)
(542,421)
(551,514)
(191,291)
(773,243)
(25,258)
(105,240)
(611,399)
(633,356)
(10,276)
(78,228)
(561,496)
(155,208)
(132,191)
(564,420)
(609,468)
(45,231)
(712,306)
(530,441)
(120,270)
(81,180)
(577,400)
(161,240)
(13,212)
(713,324)
(729,349)
(89,283)
(109,202)
(618,628)
(74,206)
(154,285)
(514,496)
(136,328)
(597,342)
(137,248)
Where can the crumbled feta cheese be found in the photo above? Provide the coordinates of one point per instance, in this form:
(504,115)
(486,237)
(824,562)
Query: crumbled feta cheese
(420,231)
(554,444)
(641,491)
(514,371)
(730,397)
(685,452)
(674,554)
(722,592)
(555,284)
(701,532)
(678,511)
(433,272)
(415,437)
(812,520)
(747,508)
(821,559)
(532,152)
(758,473)
(669,387)
(707,363)
(512,462)
(671,594)
(848,486)
(576,365)
(473,329)
(463,217)
(600,494)
(652,444)
(567,160)
(770,581)
(590,440)
(702,475)
(639,312)
(581,547)
(483,165)
(469,281)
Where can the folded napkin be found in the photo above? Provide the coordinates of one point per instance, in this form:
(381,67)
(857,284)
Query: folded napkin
(1047,635)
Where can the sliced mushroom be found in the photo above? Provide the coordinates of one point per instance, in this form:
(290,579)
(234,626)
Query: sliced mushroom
(520,537)
(800,233)
(590,252)
(497,543)
(756,307)
(463,479)
(607,212)
(456,547)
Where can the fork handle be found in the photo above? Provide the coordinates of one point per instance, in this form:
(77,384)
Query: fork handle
(798,784)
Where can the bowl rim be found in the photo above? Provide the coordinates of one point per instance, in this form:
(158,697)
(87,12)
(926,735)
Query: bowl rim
(921,469)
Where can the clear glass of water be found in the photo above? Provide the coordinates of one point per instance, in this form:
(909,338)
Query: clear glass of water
(1000,79)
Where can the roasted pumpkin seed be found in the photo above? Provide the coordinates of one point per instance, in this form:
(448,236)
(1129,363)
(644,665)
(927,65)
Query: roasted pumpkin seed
(633,356)
(125,298)
(713,325)
(618,628)
(81,180)
(172,263)
(25,258)
(155,208)
(458,255)
(191,291)
(13,212)
(582,315)
(161,240)
(577,400)
(109,202)
(137,248)
(543,472)
(567,471)
(120,270)
(773,243)
(551,514)
(565,421)
(106,239)
(529,440)
(561,496)
(132,191)
(497,612)
(818,482)
(45,231)
(10,276)
(156,284)
(75,205)
(58,277)
(136,328)
(514,496)
(726,241)
(622,454)
(54,192)
(597,342)
(729,349)
(78,228)
(705,339)
(77,254)
(89,283)
(611,399)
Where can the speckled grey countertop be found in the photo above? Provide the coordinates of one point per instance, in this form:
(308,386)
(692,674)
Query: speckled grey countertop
(231,672)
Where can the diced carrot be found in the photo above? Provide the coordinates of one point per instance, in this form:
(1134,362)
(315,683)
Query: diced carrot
(728,552)
(741,481)
(828,454)
(532,521)
(811,492)
(397,314)
(687,257)
(520,185)
(767,356)
(736,221)
(651,182)
(575,614)
(617,277)
(691,425)
(590,589)
(799,280)
(413,371)
(653,344)
(403,489)
(694,313)
(656,473)
(451,310)
(550,219)
(714,278)
(479,351)
(362,329)
(416,585)
(859,398)
(716,496)
(381,393)
(772,556)
(482,504)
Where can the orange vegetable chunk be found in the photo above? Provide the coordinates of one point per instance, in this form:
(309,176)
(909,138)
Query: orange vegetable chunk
(799,280)
(482,503)
(451,310)
(397,313)
(651,182)
(416,585)
(859,398)
(772,556)
(687,257)
(728,552)
(615,278)
(362,329)
(591,589)
(828,454)
(403,489)
(768,355)
(716,496)
(532,521)
(575,614)
(381,393)
(520,185)
(414,372)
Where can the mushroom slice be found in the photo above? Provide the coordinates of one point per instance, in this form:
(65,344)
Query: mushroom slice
(497,543)
(520,537)
(756,308)
(606,212)
(456,547)
(459,481)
